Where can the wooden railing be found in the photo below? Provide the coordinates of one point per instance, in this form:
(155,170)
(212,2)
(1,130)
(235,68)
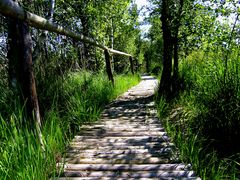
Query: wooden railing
(12,10)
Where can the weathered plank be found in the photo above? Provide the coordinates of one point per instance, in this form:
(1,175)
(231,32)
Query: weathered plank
(126,167)
(109,178)
(109,146)
(130,174)
(121,160)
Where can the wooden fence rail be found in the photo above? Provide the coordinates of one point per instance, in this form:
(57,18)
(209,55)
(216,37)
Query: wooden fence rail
(10,8)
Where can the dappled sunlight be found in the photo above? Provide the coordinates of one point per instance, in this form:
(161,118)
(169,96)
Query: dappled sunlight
(127,142)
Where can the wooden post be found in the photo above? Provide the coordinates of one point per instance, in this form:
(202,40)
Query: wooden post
(131,64)
(20,63)
(108,66)
(136,65)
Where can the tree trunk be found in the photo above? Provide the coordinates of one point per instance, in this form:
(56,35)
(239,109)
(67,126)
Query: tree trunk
(147,60)
(112,42)
(165,84)
(175,78)
(41,45)
(20,68)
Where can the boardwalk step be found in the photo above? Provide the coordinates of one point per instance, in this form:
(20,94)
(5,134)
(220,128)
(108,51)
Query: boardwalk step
(128,139)
(120,146)
(130,127)
(109,178)
(125,174)
(121,151)
(120,128)
(121,160)
(112,156)
(122,134)
(125,167)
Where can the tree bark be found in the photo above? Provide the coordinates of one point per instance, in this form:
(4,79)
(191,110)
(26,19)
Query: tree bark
(175,66)
(20,68)
(112,42)
(165,84)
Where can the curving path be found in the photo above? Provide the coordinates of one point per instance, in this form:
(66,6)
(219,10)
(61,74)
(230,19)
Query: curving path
(128,142)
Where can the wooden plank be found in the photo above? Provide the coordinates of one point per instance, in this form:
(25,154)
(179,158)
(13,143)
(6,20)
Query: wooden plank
(131,121)
(127,139)
(121,151)
(108,146)
(149,174)
(125,160)
(117,156)
(124,128)
(125,167)
(135,124)
(126,125)
(109,178)
(120,134)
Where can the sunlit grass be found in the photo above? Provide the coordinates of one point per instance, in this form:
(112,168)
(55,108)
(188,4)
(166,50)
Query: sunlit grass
(70,102)
(204,119)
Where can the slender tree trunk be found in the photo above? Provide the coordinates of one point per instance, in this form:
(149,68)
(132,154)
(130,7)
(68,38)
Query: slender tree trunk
(175,79)
(77,50)
(86,47)
(45,33)
(147,64)
(165,84)
(112,42)
(42,41)
(147,60)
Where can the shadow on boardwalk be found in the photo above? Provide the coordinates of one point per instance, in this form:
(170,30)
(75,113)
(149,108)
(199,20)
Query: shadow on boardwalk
(128,142)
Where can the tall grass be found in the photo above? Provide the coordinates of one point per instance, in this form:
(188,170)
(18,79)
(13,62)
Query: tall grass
(204,120)
(70,101)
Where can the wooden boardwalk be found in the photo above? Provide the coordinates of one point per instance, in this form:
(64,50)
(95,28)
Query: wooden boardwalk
(128,142)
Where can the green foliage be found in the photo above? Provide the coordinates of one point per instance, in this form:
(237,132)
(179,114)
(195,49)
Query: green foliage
(204,120)
(152,47)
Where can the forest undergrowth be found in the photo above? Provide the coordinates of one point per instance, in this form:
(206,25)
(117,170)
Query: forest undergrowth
(68,102)
(204,118)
